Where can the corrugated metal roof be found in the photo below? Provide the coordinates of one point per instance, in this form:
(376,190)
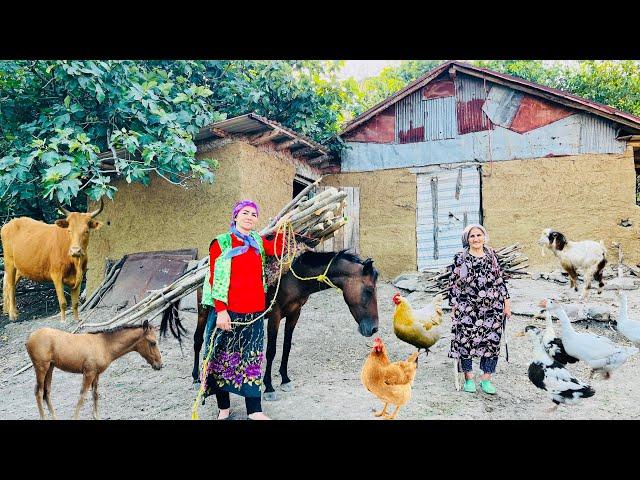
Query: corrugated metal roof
(252,123)
(441,118)
(410,119)
(574,101)
(596,135)
(470,96)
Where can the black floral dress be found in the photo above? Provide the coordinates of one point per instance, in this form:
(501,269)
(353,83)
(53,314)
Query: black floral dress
(477,292)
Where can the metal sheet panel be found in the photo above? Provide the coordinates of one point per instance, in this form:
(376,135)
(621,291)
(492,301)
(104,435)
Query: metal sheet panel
(439,89)
(451,213)
(379,129)
(534,113)
(598,136)
(501,105)
(556,139)
(143,272)
(410,119)
(470,96)
(441,118)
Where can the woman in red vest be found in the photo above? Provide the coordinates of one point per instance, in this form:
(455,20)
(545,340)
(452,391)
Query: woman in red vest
(238,288)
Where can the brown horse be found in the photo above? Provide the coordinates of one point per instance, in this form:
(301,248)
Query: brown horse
(86,353)
(355,277)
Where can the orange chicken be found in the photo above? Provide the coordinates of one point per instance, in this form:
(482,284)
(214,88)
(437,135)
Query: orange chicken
(390,382)
(420,328)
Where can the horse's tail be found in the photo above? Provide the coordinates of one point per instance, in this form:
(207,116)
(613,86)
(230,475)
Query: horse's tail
(171,321)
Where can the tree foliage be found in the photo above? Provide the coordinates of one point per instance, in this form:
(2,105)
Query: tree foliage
(57,116)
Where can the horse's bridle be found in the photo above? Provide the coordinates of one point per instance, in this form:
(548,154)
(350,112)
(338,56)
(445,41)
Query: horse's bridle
(322,278)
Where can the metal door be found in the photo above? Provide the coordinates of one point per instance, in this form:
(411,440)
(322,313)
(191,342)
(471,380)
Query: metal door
(448,200)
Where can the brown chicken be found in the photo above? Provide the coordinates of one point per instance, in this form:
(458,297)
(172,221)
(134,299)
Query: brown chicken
(390,382)
(419,328)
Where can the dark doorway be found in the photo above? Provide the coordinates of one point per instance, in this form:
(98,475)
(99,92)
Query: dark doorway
(298,187)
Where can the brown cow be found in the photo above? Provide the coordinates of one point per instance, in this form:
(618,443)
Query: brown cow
(47,253)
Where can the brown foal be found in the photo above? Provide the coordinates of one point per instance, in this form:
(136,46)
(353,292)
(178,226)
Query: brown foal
(86,353)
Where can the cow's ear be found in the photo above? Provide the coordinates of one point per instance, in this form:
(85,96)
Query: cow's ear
(145,325)
(62,223)
(95,224)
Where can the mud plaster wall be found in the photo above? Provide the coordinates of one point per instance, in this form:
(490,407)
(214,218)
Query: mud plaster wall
(387,217)
(584,197)
(162,216)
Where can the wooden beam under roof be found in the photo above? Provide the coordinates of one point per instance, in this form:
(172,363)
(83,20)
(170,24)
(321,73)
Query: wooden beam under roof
(304,151)
(286,144)
(317,160)
(265,137)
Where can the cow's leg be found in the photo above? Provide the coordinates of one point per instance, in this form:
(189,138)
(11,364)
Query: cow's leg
(292,321)
(9,286)
(87,381)
(47,390)
(62,301)
(272,336)
(75,295)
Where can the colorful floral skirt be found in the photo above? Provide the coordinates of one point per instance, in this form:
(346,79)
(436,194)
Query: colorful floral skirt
(235,363)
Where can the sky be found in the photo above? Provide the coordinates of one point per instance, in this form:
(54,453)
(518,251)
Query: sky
(360,69)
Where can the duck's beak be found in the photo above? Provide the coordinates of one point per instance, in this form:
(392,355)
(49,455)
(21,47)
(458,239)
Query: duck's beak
(543,303)
(519,334)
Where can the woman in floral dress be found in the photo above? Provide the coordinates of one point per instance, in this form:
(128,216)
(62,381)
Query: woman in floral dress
(480,304)
(237,294)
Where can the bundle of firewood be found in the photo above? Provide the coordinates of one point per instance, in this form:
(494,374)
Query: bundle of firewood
(313,220)
(510,258)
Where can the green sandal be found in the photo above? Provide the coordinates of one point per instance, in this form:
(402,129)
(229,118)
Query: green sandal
(487,387)
(469,386)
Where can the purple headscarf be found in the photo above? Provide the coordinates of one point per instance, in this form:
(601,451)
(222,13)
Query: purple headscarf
(239,206)
(247,240)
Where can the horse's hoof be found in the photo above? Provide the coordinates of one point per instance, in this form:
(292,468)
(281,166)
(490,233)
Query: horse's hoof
(286,387)
(270,396)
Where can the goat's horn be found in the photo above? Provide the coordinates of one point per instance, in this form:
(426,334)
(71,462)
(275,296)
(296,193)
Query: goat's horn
(96,212)
(60,207)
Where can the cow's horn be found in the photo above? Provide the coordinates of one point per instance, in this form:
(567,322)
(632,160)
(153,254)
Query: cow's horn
(96,212)
(60,207)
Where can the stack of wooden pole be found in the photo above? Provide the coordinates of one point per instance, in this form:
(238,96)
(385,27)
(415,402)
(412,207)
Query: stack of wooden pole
(510,259)
(314,220)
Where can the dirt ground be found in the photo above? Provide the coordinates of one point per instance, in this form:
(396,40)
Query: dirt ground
(326,359)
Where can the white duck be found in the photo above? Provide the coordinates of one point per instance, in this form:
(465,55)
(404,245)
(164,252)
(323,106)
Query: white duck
(551,376)
(600,353)
(629,328)
(553,344)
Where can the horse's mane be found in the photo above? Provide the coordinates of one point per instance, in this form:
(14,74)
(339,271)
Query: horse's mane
(321,259)
(117,329)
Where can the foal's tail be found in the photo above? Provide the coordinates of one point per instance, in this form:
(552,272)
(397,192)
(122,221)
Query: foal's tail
(171,320)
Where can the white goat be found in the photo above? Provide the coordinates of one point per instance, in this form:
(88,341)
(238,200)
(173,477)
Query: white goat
(587,255)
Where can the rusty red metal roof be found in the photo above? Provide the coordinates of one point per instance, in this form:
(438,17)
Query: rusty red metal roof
(532,88)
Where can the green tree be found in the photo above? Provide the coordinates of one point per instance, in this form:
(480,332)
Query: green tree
(56,116)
